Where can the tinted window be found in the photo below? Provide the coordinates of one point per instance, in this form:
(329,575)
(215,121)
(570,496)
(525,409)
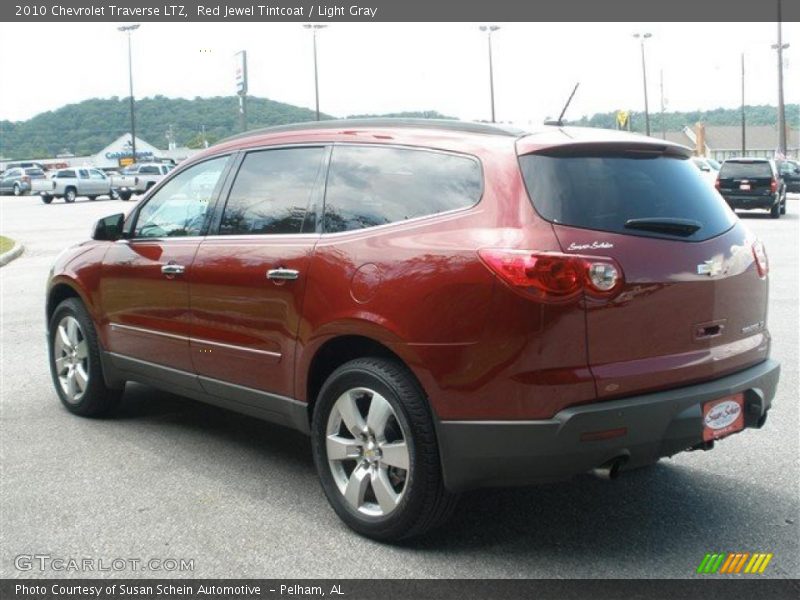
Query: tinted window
(376,186)
(180,207)
(604,191)
(66,174)
(34,172)
(272,191)
(149,171)
(736,170)
(84,173)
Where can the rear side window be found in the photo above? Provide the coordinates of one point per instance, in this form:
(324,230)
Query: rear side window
(66,174)
(34,172)
(607,191)
(737,170)
(149,171)
(272,191)
(375,186)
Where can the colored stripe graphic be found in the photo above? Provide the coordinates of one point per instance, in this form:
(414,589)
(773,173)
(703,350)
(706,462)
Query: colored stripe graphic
(734,562)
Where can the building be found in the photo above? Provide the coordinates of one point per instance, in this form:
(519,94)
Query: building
(725,141)
(117,154)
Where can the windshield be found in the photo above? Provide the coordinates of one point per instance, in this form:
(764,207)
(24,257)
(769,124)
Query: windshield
(735,170)
(609,192)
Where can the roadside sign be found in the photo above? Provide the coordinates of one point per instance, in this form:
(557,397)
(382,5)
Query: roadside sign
(622,119)
(241,72)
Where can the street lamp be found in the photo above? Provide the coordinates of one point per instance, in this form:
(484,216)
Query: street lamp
(314,28)
(128,29)
(642,37)
(490,29)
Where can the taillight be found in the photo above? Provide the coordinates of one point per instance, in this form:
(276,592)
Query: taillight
(773,185)
(716,183)
(26,179)
(760,254)
(553,276)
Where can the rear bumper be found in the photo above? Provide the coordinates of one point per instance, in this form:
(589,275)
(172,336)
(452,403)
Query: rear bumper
(747,202)
(500,453)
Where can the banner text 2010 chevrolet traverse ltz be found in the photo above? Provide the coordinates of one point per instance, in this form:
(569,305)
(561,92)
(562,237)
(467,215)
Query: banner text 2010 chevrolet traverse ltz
(440,305)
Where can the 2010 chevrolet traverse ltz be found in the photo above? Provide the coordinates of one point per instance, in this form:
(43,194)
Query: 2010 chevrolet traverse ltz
(440,305)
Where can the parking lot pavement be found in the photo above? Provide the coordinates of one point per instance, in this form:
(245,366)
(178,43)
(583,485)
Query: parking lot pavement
(171,478)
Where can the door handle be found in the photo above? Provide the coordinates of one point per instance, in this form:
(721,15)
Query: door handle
(173,269)
(282,274)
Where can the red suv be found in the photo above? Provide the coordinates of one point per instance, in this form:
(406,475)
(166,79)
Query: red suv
(440,305)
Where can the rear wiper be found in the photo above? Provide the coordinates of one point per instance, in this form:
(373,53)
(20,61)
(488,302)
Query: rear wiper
(682,227)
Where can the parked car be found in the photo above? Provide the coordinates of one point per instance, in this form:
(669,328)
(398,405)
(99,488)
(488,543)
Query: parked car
(748,183)
(73,182)
(141,177)
(17,180)
(25,165)
(441,305)
(790,171)
(708,167)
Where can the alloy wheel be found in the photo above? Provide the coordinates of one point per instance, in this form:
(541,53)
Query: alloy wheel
(367,452)
(71,358)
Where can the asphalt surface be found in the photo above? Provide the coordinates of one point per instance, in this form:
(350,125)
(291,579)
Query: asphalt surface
(172,478)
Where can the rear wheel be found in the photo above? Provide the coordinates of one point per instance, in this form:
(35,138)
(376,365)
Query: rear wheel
(775,211)
(17,190)
(375,450)
(783,204)
(75,362)
(125,196)
(92,198)
(69,195)
(46,199)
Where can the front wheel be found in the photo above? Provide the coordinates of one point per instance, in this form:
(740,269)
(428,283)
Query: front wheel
(75,362)
(17,191)
(376,453)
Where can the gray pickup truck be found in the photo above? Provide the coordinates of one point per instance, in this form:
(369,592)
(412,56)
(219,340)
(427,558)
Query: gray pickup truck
(72,182)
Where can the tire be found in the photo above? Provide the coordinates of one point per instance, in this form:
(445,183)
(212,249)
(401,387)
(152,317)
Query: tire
(17,191)
(69,195)
(392,503)
(775,211)
(46,199)
(125,196)
(92,198)
(78,377)
(783,204)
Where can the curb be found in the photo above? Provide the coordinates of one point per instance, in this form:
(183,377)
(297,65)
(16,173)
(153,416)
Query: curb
(7,257)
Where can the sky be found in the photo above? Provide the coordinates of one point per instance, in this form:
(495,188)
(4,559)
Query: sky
(392,67)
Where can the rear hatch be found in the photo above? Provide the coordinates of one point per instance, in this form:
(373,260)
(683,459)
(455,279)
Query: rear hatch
(746,178)
(691,301)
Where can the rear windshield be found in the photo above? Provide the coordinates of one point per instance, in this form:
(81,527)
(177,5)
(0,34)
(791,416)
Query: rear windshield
(735,170)
(607,191)
(34,172)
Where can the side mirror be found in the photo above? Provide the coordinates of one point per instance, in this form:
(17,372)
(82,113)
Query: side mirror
(109,229)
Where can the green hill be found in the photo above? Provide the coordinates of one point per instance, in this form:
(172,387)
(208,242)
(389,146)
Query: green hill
(87,127)
(675,121)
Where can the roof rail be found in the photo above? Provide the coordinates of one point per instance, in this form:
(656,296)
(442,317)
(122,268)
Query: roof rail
(387,123)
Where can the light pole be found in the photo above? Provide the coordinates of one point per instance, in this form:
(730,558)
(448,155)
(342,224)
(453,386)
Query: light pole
(490,29)
(128,29)
(780,47)
(642,37)
(314,28)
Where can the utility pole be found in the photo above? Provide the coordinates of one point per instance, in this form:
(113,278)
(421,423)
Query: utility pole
(490,29)
(128,29)
(780,47)
(241,87)
(744,129)
(314,28)
(642,37)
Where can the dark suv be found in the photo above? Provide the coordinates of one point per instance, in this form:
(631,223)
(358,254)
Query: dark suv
(440,305)
(748,183)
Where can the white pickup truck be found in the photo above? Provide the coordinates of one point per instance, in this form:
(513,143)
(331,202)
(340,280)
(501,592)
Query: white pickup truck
(141,177)
(72,182)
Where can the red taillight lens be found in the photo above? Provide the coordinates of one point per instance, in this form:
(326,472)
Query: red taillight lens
(553,276)
(773,185)
(716,183)
(760,254)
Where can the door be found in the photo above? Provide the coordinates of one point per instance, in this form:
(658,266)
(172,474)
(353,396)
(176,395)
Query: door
(247,282)
(7,180)
(99,183)
(144,290)
(691,301)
